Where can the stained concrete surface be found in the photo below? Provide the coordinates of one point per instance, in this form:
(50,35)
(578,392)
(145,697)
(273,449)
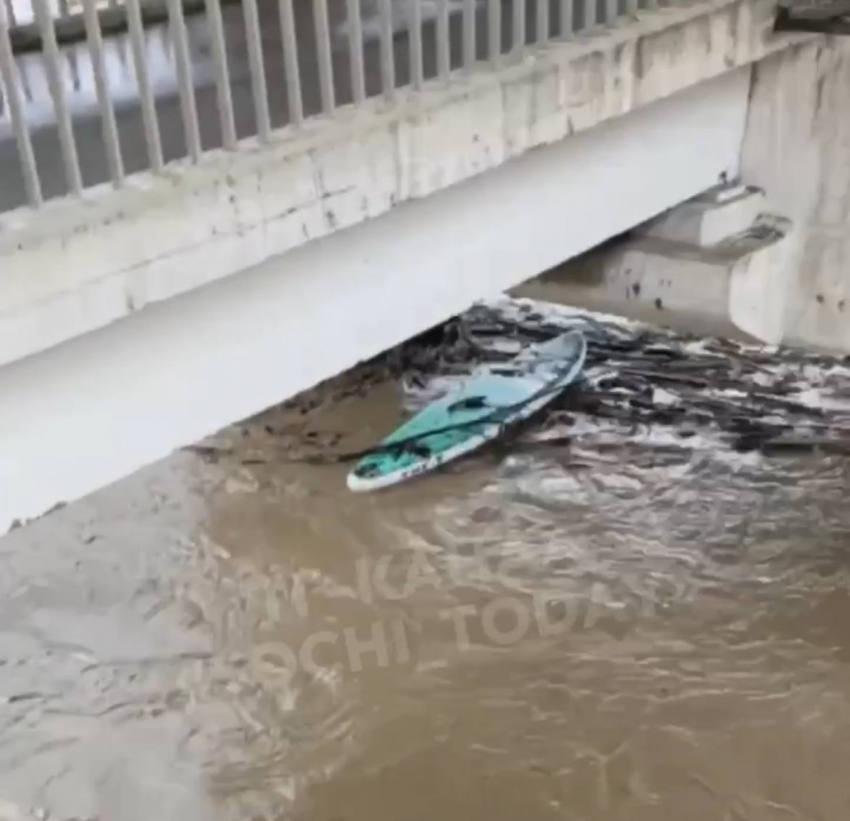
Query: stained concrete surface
(79,83)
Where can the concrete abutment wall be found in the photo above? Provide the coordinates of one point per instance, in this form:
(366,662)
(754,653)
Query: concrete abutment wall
(797,147)
(792,289)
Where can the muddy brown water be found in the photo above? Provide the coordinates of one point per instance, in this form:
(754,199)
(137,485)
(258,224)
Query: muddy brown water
(630,636)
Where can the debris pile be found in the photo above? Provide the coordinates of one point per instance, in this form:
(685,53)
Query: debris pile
(744,397)
(641,385)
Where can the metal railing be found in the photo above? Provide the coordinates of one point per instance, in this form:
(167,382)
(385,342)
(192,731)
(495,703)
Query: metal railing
(207,80)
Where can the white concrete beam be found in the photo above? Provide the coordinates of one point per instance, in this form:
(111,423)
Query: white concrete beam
(85,413)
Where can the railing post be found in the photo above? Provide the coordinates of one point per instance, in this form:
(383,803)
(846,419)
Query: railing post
(9,83)
(519,27)
(323,54)
(387,56)
(294,101)
(355,51)
(469,34)
(542,21)
(258,71)
(444,57)
(140,64)
(50,52)
(186,89)
(107,111)
(567,24)
(222,75)
(494,31)
(417,73)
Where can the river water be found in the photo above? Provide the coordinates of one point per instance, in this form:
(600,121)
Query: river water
(617,635)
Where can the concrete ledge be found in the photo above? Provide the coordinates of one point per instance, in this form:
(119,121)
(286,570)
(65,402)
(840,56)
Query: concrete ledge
(730,288)
(75,266)
(709,218)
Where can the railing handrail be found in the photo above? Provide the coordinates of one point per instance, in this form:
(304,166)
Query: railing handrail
(26,37)
(460,35)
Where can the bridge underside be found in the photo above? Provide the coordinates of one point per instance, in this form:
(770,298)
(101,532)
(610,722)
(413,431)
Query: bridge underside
(85,413)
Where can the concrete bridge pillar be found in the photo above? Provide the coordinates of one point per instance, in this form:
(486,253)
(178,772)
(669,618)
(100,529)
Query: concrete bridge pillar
(797,148)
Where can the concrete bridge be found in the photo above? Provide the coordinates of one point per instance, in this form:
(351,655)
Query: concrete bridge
(294,187)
